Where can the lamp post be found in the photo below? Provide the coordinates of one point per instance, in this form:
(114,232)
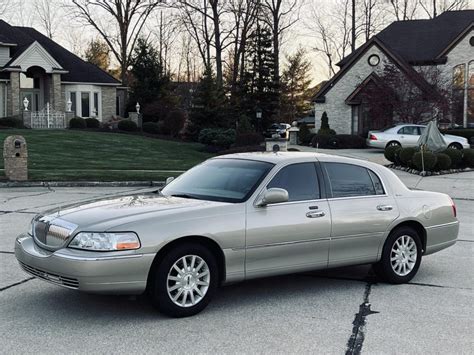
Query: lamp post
(258,115)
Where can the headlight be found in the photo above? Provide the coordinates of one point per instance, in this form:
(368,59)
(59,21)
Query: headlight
(105,241)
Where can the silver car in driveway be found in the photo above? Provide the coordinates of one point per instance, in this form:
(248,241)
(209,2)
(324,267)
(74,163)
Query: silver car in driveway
(407,135)
(239,217)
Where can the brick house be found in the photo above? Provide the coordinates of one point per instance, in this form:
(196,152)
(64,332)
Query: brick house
(446,42)
(34,67)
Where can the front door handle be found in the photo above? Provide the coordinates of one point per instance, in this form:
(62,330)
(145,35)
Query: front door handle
(316,214)
(384,207)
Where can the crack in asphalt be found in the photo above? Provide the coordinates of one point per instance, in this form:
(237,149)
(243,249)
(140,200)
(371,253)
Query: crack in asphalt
(356,340)
(6,252)
(16,284)
(23,196)
(438,286)
(465,240)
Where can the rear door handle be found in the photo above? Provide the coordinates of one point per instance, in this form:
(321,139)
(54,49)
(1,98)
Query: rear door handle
(384,207)
(316,214)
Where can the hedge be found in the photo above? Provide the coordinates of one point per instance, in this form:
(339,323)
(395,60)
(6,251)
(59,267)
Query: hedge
(455,155)
(443,162)
(428,161)
(338,141)
(77,123)
(11,122)
(127,125)
(468,158)
(92,123)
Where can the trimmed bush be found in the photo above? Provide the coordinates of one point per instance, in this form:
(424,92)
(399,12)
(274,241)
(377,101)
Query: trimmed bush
(151,127)
(92,123)
(429,160)
(325,129)
(468,157)
(127,125)
(391,153)
(320,140)
(77,123)
(443,162)
(304,135)
(405,155)
(218,137)
(248,139)
(174,122)
(252,148)
(11,122)
(455,155)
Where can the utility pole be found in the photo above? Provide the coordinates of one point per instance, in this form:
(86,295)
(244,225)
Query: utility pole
(353,25)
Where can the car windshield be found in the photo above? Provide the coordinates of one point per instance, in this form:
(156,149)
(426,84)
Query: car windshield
(226,180)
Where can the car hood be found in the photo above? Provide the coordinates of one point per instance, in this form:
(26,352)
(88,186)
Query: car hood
(114,211)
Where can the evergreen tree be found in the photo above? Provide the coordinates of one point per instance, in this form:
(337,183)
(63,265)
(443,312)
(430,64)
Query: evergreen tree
(295,99)
(258,88)
(150,84)
(208,108)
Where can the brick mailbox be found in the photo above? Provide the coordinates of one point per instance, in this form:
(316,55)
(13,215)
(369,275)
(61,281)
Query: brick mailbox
(15,156)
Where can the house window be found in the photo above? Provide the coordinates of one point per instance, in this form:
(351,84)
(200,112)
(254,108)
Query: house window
(458,76)
(96,105)
(73,99)
(374,60)
(85,104)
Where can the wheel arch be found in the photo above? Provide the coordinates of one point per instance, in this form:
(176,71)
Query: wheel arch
(417,226)
(207,242)
(393,141)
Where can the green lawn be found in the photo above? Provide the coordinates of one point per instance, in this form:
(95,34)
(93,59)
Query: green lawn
(81,155)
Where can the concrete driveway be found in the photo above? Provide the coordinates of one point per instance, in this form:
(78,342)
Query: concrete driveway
(337,311)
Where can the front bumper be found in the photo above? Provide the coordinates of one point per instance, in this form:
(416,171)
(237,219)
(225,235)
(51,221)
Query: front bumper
(95,272)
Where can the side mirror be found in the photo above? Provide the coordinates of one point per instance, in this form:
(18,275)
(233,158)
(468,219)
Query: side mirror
(168,180)
(273,195)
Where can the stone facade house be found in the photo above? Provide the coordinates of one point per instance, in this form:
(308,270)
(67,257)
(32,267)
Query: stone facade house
(35,68)
(445,42)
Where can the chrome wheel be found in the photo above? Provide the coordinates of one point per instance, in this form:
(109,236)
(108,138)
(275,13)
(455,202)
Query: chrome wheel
(188,281)
(403,255)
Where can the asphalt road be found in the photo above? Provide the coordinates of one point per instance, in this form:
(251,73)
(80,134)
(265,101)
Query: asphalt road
(337,311)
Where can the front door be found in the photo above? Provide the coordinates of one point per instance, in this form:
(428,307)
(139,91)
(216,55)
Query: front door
(361,213)
(291,236)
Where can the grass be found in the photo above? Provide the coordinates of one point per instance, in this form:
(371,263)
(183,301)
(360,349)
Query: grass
(80,155)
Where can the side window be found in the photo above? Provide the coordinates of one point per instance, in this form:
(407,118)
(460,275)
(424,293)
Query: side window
(410,130)
(377,183)
(348,180)
(300,180)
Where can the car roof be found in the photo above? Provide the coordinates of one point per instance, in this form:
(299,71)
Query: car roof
(283,157)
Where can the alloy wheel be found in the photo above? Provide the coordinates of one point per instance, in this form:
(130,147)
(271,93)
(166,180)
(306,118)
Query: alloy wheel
(403,255)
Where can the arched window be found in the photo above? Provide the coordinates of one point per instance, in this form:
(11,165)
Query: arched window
(459,74)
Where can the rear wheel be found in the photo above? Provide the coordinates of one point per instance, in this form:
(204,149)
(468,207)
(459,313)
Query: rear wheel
(393,144)
(401,256)
(185,281)
(455,146)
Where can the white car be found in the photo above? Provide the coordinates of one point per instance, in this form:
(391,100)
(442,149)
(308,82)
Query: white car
(407,135)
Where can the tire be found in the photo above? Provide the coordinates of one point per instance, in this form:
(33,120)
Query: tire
(408,243)
(185,282)
(393,144)
(455,146)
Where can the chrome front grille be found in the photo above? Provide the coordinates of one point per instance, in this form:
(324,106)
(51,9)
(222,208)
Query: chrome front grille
(68,282)
(52,232)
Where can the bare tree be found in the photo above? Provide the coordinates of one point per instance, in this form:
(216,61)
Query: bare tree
(404,10)
(280,16)
(371,18)
(4,6)
(332,29)
(119,23)
(48,15)
(433,8)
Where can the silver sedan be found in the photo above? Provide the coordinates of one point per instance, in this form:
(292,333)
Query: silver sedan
(239,217)
(407,135)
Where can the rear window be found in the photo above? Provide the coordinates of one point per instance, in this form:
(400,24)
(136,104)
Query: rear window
(347,180)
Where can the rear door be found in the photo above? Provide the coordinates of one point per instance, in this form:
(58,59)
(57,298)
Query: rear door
(361,212)
(408,136)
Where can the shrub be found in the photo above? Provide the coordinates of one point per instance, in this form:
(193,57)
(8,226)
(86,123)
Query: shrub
(11,122)
(468,157)
(391,153)
(219,137)
(248,139)
(92,123)
(245,126)
(325,129)
(455,155)
(77,123)
(443,161)
(151,127)
(304,135)
(429,160)
(174,122)
(346,141)
(320,140)
(405,155)
(127,125)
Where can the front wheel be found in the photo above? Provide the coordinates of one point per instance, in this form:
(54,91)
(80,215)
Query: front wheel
(455,146)
(185,281)
(401,256)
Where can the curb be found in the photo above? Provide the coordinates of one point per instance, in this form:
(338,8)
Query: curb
(81,184)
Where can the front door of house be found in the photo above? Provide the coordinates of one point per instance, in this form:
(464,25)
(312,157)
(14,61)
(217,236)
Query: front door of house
(32,102)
